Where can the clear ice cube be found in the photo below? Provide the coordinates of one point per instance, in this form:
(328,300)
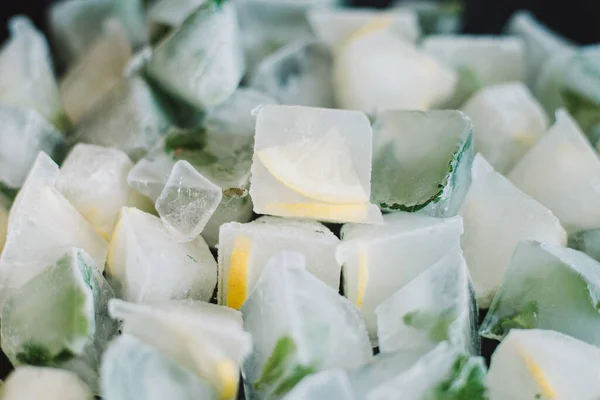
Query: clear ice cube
(494,208)
(437,305)
(332,384)
(94,179)
(421,161)
(299,326)
(508,121)
(585,241)
(379,260)
(297,74)
(245,249)
(562,172)
(28,382)
(320,168)
(146,264)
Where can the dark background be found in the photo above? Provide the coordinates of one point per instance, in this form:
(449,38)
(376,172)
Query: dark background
(578,20)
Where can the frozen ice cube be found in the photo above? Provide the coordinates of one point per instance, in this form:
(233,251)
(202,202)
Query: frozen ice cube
(562,172)
(145,263)
(547,287)
(320,168)
(26,73)
(76,24)
(586,241)
(60,318)
(540,42)
(201,63)
(4,208)
(168,14)
(438,305)
(507,122)
(129,118)
(245,249)
(23,135)
(297,74)
(43,226)
(133,370)
(204,338)
(96,73)
(44,383)
(299,326)
(94,179)
(331,384)
(434,17)
(379,260)
(543,364)
(236,206)
(422,161)
(497,216)
(334,25)
(187,202)
(132,15)
(376,70)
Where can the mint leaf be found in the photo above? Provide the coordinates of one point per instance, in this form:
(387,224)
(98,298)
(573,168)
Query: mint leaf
(275,367)
(466,381)
(438,324)
(299,373)
(524,319)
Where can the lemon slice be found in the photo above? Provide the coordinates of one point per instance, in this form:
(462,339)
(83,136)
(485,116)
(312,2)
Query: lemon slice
(364,212)
(318,169)
(538,375)
(363,275)
(237,279)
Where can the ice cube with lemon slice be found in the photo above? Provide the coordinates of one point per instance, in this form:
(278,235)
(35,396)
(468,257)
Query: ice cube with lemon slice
(313,163)
(543,364)
(378,260)
(547,287)
(508,120)
(421,161)
(495,208)
(94,179)
(300,326)
(245,249)
(206,339)
(43,226)
(146,264)
(563,169)
(438,305)
(377,70)
(133,369)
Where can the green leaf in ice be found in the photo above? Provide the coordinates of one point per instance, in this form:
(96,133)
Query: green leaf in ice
(298,373)
(523,319)
(186,140)
(438,324)
(466,381)
(585,110)
(38,355)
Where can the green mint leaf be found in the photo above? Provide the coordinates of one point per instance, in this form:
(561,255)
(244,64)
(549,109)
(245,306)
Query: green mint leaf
(466,381)
(524,319)
(299,372)
(277,363)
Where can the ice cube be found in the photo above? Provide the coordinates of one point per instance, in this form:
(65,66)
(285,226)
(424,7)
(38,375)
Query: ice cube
(331,384)
(164,15)
(132,15)
(334,25)
(438,305)
(96,73)
(23,134)
(540,42)
(26,74)
(187,202)
(236,206)
(562,172)
(201,63)
(204,338)
(443,373)
(421,161)
(379,260)
(487,60)
(507,121)
(376,70)
(44,383)
(60,318)
(587,242)
(42,226)
(145,263)
(320,168)
(299,326)
(129,118)
(497,216)
(245,249)
(94,180)
(4,208)
(297,74)
(76,24)
(434,17)
(547,287)
(540,364)
(132,370)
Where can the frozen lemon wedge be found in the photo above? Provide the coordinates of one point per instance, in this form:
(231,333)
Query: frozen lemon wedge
(364,212)
(538,375)
(319,169)
(237,279)
(363,275)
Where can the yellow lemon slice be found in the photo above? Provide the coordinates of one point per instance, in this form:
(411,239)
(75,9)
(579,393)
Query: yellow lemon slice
(538,375)
(363,275)
(320,169)
(323,212)
(237,279)
(228,375)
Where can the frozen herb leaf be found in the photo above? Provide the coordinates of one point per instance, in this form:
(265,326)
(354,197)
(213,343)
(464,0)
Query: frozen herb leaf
(275,367)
